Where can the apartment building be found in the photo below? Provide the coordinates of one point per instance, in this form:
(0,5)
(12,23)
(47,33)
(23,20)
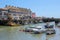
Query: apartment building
(16,13)
(3,13)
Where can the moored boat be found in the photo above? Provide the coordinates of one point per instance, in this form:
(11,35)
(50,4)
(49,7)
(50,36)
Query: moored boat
(50,31)
(35,30)
(58,25)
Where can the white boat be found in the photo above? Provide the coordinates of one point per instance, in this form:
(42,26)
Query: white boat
(58,24)
(50,31)
(50,28)
(38,29)
(50,25)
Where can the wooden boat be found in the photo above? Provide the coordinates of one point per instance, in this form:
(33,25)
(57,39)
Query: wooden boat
(11,24)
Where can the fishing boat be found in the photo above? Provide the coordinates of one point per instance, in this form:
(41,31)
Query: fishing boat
(50,28)
(50,25)
(58,25)
(36,30)
(50,31)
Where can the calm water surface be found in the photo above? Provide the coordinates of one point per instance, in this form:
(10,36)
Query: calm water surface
(13,33)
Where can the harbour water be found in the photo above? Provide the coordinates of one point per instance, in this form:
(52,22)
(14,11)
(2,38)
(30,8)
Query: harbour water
(13,33)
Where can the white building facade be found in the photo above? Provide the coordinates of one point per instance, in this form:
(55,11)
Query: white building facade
(16,13)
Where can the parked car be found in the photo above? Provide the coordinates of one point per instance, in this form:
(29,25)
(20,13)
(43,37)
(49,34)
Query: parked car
(50,31)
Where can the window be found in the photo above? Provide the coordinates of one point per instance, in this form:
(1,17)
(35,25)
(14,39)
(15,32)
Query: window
(19,15)
(5,13)
(14,14)
(0,13)
(16,18)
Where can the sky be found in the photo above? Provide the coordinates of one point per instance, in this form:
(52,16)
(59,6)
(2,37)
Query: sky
(46,8)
